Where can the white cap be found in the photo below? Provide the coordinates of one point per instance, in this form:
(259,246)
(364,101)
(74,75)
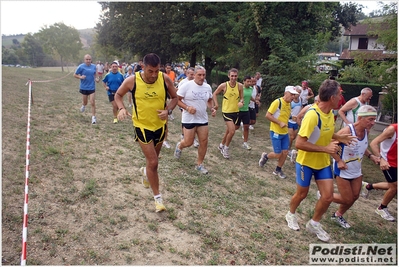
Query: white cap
(291,89)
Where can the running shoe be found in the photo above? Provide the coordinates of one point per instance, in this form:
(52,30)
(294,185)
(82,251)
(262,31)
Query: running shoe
(93,120)
(177,151)
(280,174)
(196,143)
(115,120)
(225,153)
(340,220)
(159,205)
(220,147)
(144,179)
(82,108)
(263,159)
(246,146)
(384,213)
(201,169)
(365,192)
(292,221)
(293,155)
(251,127)
(318,195)
(318,230)
(166,144)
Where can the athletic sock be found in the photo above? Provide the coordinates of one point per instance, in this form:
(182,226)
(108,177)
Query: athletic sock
(382,207)
(314,223)
(337,214)
(157,196)
(278,169)
(369,186)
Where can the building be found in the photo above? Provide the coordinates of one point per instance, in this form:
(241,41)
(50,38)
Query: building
(364,42)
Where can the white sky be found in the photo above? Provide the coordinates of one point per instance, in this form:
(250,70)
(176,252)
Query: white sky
(22,17)
(30,16)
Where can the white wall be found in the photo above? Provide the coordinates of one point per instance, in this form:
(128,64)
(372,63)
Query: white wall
(370,46)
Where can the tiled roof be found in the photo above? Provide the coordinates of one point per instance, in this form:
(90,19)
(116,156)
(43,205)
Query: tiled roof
(362,29)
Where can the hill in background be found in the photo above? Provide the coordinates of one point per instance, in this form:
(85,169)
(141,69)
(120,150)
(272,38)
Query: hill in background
(86,37)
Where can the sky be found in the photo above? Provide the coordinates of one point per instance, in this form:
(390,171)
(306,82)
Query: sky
(30,16)
(22,17)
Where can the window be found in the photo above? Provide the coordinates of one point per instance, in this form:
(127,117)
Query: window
(363,43)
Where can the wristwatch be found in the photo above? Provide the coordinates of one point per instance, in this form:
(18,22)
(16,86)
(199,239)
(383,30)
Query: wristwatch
(170,111)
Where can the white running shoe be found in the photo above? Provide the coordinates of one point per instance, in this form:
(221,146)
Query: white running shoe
(292,221)
(293,155)
(318,195)
(177,151)
(82,108)
(340,220)
(166,144)
(364,193)
(263,159)
(318,230)
(225,153)
(201,169)
(93,120)
(221,147)
(384,213)
(280,174)
(196,143)
(246,146)
(251,127)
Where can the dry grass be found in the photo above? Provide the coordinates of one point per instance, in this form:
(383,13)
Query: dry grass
(88,207)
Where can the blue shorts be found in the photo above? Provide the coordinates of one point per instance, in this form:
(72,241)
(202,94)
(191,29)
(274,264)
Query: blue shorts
(280,142)
(304,174)
(293,125)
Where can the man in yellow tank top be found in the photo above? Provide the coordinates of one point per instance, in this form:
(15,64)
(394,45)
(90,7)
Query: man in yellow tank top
(232,100)
(316,141)
(278,114)
(150,113)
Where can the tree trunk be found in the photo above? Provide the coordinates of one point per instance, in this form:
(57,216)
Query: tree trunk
(62,65)
(209,65)
(193,59)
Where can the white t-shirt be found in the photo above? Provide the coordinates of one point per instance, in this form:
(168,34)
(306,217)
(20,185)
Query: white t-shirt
(196,96)
(183,82)
(259,82)
(254,93)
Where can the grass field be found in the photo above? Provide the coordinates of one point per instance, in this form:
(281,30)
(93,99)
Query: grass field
(87,205)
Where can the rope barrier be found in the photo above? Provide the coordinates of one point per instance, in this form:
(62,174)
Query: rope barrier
(46,81)
(25,220)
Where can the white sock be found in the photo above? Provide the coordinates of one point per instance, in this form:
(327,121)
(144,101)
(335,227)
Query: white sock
(314,223)
(157,196)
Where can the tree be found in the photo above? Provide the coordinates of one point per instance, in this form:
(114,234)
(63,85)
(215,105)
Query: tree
(386,72)
(288,36)
(60,40)
(171,30)
(33,51)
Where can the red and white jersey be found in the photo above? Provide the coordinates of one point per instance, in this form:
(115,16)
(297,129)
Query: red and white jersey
(389,148)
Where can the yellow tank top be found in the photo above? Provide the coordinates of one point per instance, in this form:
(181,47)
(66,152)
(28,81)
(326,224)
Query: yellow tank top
(147,99)
(231,97)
